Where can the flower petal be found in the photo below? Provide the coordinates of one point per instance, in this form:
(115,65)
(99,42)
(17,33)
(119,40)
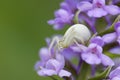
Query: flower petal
(51,22)
(118,40)
(106,61)
(91,58)
(38,65)
(46,72)
(97,12)
(116,78)
(112,9)
(79,48)
(53,64)
(98,49)
(61,60)
(61,13)
(44,54)
(58,26)
(108,38)
(65,6)
(98,40)
(64,73)
(115,72)
(117,28)
(72,3)
(115,50)
(99,1)
(84,6)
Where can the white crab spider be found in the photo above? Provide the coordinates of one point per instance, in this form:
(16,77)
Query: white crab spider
(77,33)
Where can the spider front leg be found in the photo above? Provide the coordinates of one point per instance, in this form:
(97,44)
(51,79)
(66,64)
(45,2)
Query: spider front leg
(81,47)
(54,43)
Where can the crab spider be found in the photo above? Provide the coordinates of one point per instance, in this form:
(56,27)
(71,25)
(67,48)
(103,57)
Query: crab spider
(77,33)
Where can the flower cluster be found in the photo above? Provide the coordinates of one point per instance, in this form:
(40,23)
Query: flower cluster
(93,39)
(50,65)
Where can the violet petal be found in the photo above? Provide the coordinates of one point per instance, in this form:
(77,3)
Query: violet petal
(64,73)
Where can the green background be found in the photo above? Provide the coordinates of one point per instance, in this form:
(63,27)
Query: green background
(23,29)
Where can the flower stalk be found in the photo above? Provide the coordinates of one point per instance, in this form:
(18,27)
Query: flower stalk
(95,52)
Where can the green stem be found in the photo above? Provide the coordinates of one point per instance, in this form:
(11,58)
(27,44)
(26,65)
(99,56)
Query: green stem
(112,55)
(70,67)
(103,75)
(68,78)
(76,17)
(84,72)
(111,29)
(56,77)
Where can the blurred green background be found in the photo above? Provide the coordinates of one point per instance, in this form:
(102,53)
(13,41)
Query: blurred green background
(23,29)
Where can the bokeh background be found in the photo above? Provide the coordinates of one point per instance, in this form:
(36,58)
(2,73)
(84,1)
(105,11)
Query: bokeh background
(23,29)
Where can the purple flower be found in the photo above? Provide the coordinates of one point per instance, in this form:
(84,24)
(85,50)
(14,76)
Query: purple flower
(64,15)
(115,50)
(117,29)
(97,40)
(117,61)
(69,5)
(109,38)
(71,52)
(84,6)
(115,36)
(93,55)
(115,74)
(49,66)
(98,8)
(44,56)
(116,1)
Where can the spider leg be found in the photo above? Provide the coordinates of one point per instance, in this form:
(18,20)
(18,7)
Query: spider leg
(54,41)
(79,45)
